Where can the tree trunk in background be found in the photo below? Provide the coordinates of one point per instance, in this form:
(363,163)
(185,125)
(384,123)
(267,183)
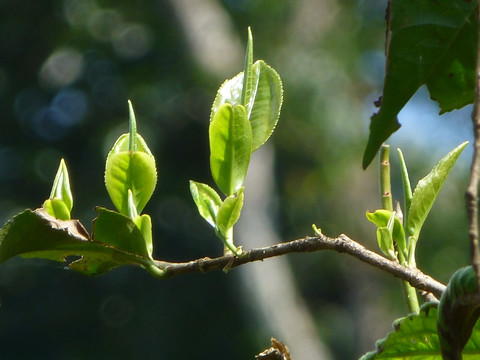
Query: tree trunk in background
(268,288)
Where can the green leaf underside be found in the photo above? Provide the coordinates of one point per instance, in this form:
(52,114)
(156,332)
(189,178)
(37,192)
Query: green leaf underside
(263,103)
(230,147)
(207,200)
(432,43)
(457,316)
(134,170)
(37,234)
(415,338)
(427,190)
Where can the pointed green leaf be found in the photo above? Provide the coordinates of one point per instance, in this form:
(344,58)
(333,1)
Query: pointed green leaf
(144,223)
(415,338)
(207,200)
(407,188)
(262,106)
(130,170)
(427,190)
(265,103)
(61,186)
(385,242)
(132,129)
(230,147)
(458,314)
(429,42)
(229,212)
(247,69)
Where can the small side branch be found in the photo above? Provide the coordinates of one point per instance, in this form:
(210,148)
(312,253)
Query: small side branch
(341,244)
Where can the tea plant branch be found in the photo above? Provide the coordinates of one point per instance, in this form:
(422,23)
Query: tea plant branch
(474,181)
(387,203)
(341,244)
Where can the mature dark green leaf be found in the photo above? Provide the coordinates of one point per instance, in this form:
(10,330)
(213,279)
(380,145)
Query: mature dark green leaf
(427,190)
(230,147)
(119,231)
(459,310)
(36,234)
(432,42)
(415,338)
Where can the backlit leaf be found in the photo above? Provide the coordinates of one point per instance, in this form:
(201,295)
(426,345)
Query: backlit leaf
(207,200)
(230,147)
(431,42)
(427,190)
(264,104)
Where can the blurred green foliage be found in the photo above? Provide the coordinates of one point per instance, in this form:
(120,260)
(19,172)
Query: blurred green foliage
(67,68)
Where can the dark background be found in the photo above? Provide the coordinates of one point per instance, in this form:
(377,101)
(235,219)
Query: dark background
(67,69)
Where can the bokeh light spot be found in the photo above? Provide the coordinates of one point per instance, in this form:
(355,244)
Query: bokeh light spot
(133,41)
(50,123)
(77,12)
(73,103)
(103,23)
(61,68)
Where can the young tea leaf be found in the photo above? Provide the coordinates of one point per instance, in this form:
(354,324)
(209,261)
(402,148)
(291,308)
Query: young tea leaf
(61,186)
(247,70)
(230,136)
(227,216)
(207,200)
(407,188)
(262,106)
(382,218)
(229,212)
(57,208)
(427,190)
